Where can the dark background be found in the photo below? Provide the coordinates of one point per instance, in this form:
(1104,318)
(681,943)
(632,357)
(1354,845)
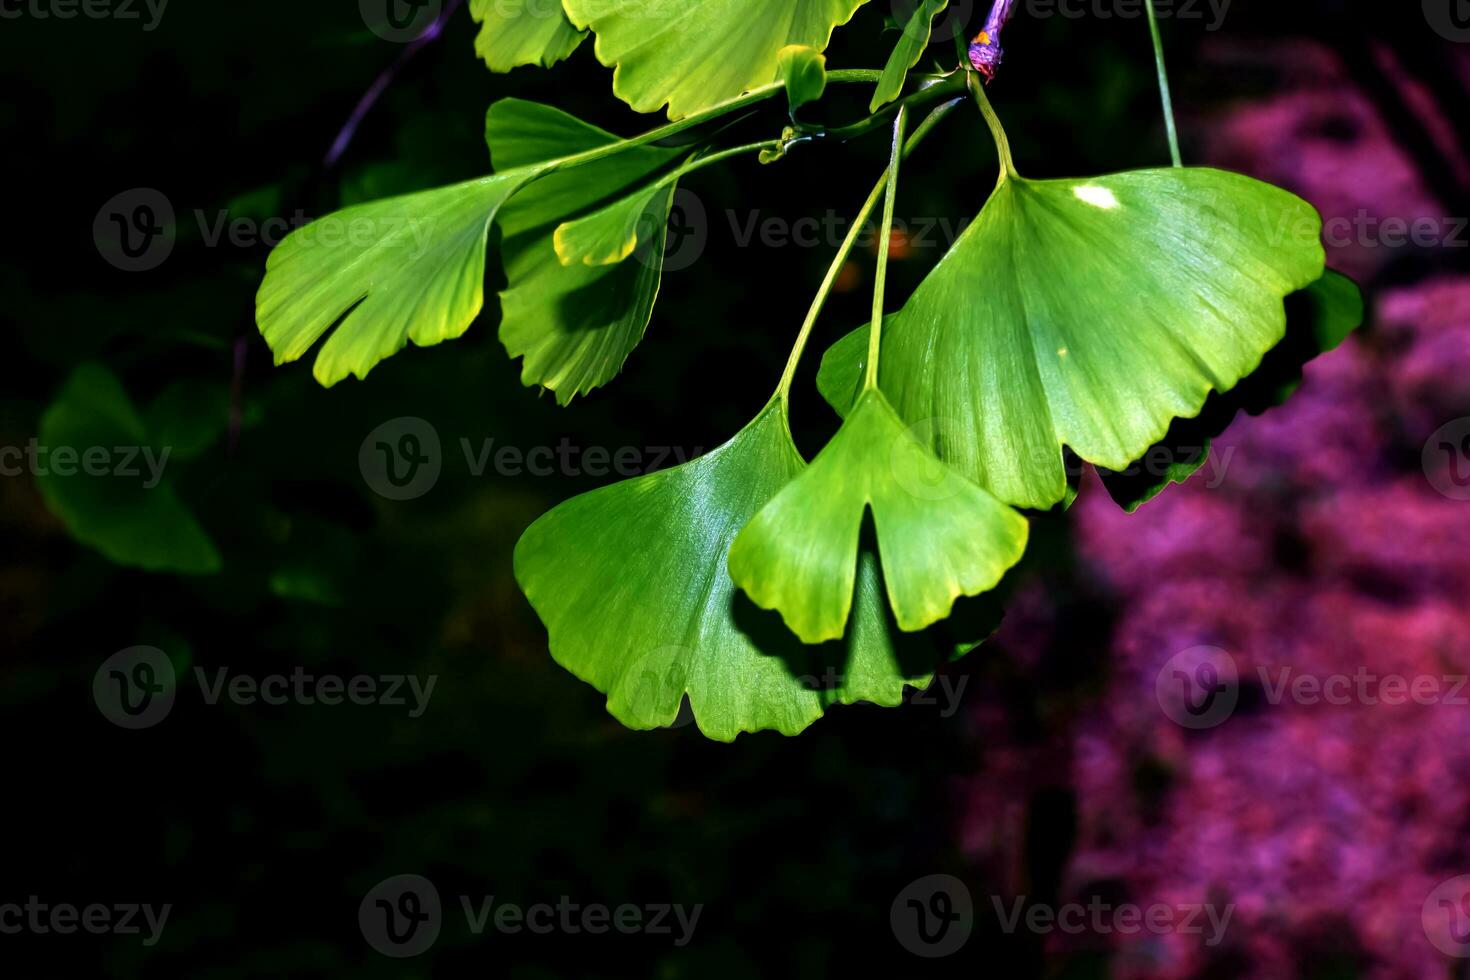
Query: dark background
(265,826)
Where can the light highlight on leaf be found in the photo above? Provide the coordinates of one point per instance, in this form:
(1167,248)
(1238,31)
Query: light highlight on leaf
(1088,313)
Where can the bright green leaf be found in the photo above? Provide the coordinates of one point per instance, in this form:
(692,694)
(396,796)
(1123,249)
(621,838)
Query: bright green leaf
(632,585)
(130,513)
(940,536)
(408,268)
(523,32)
(575,326)
(694,54)
(804,70)
(609,235)
(906,54)
(1089,314)
(1318,319)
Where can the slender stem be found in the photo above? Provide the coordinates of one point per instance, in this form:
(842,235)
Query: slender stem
(885,241)
(937,90)
(1164,92)
(997,131)
(704,116)
(783,391)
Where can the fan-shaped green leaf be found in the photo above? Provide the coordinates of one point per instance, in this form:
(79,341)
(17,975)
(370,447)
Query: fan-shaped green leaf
(693,54)
(1318,319)
(574,325)
(632,585)
(126,509)
(1088,313)
(940,536)
(408,268)
(912,41)
(523,32)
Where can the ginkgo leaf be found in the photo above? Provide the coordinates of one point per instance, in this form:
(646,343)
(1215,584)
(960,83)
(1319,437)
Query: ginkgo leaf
(631,582)
(912,41)
(804,70)
(940,536)
(697,53)
(609,235)
(125,508)
(1088,314)
(523,32)
(1318,319)
(574,325)
(408,268)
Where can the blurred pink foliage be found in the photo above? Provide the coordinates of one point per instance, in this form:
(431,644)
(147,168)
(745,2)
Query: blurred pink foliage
(1320,547)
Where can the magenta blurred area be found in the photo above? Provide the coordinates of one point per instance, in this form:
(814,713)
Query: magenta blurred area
(1329,538)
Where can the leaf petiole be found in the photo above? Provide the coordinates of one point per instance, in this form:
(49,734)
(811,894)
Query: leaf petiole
(997,131)
(783,391)
(885,242)
(1164,92)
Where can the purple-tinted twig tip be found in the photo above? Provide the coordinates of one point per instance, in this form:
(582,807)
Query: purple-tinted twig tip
(986,54)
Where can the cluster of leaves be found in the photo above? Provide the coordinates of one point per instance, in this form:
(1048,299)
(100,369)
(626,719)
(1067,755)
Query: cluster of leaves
(1083,319)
